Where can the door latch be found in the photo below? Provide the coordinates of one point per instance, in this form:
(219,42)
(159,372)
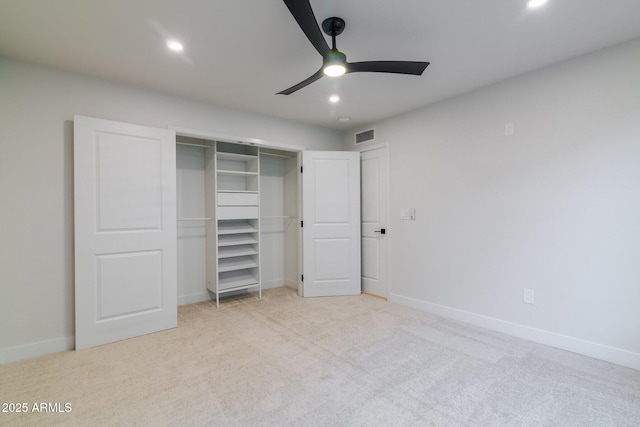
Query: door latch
(381,231)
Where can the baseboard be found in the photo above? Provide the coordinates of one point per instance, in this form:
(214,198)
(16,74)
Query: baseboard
(564,342)
(272,284)
(278,283)
(193,298)
(36,349)
(290,283)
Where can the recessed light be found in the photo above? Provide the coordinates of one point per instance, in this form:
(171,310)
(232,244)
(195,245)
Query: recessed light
(334,98)
(344,119)
(175,45)
(532,4)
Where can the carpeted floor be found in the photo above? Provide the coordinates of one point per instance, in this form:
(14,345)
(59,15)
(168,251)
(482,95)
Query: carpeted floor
(347,361)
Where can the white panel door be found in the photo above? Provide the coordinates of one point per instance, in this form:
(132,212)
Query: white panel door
(125,230)
(374,177)
(331,218)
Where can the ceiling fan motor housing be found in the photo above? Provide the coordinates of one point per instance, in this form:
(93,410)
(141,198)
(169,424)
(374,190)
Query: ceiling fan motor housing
(334,55)
(333,26)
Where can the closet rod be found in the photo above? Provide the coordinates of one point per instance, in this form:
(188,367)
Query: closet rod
(193,145)
(276,155)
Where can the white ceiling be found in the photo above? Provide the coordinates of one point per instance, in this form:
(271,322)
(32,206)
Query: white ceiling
(240,53)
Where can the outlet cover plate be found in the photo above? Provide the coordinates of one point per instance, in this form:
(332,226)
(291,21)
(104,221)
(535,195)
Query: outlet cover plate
(527,296)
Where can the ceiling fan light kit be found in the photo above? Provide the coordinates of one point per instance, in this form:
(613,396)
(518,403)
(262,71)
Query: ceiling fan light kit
(532,4)
(334,62)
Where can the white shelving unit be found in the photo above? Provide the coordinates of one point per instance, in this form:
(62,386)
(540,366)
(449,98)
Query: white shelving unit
(236,216)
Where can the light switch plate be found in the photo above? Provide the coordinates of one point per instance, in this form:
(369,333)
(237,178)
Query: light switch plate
(404,213)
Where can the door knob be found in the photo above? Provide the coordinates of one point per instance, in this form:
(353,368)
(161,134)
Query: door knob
(381,231)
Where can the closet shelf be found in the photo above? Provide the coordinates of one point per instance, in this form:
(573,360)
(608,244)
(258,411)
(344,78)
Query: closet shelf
(276,155)
(234,251)
(236,263)
(236,239)
(237,287)
(237,282)
(193,145)
(276,217)
(195,219)
(237,228)
(235,156)
(238,191)
(236,173)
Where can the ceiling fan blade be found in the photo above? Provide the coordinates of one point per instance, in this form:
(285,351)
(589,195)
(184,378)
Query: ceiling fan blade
(302,84)
(303,14)
(398,67)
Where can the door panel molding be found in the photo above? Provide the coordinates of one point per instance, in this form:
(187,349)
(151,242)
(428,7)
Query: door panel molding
(125,230)
(331,217)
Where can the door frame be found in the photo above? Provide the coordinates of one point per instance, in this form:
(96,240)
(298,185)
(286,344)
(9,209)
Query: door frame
(224,137)
(364,148)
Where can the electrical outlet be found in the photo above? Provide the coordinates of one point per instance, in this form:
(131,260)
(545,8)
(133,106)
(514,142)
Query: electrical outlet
(508,129)
(527,296)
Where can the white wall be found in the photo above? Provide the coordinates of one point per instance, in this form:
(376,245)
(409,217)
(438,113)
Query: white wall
(278,237)
(554,208)
(191,235)
(37,105)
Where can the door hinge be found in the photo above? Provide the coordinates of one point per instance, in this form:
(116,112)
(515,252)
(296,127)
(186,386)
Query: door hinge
(300,169)
(302,277)
(301,223)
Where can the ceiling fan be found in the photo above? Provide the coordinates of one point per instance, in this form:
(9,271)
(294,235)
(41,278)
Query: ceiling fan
(335,62)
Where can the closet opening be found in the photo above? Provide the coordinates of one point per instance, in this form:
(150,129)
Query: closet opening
(238,210)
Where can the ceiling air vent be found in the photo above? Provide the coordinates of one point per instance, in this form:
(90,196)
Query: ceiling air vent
(364,136)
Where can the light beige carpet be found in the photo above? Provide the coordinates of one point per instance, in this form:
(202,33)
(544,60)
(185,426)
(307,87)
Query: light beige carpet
(353,361)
